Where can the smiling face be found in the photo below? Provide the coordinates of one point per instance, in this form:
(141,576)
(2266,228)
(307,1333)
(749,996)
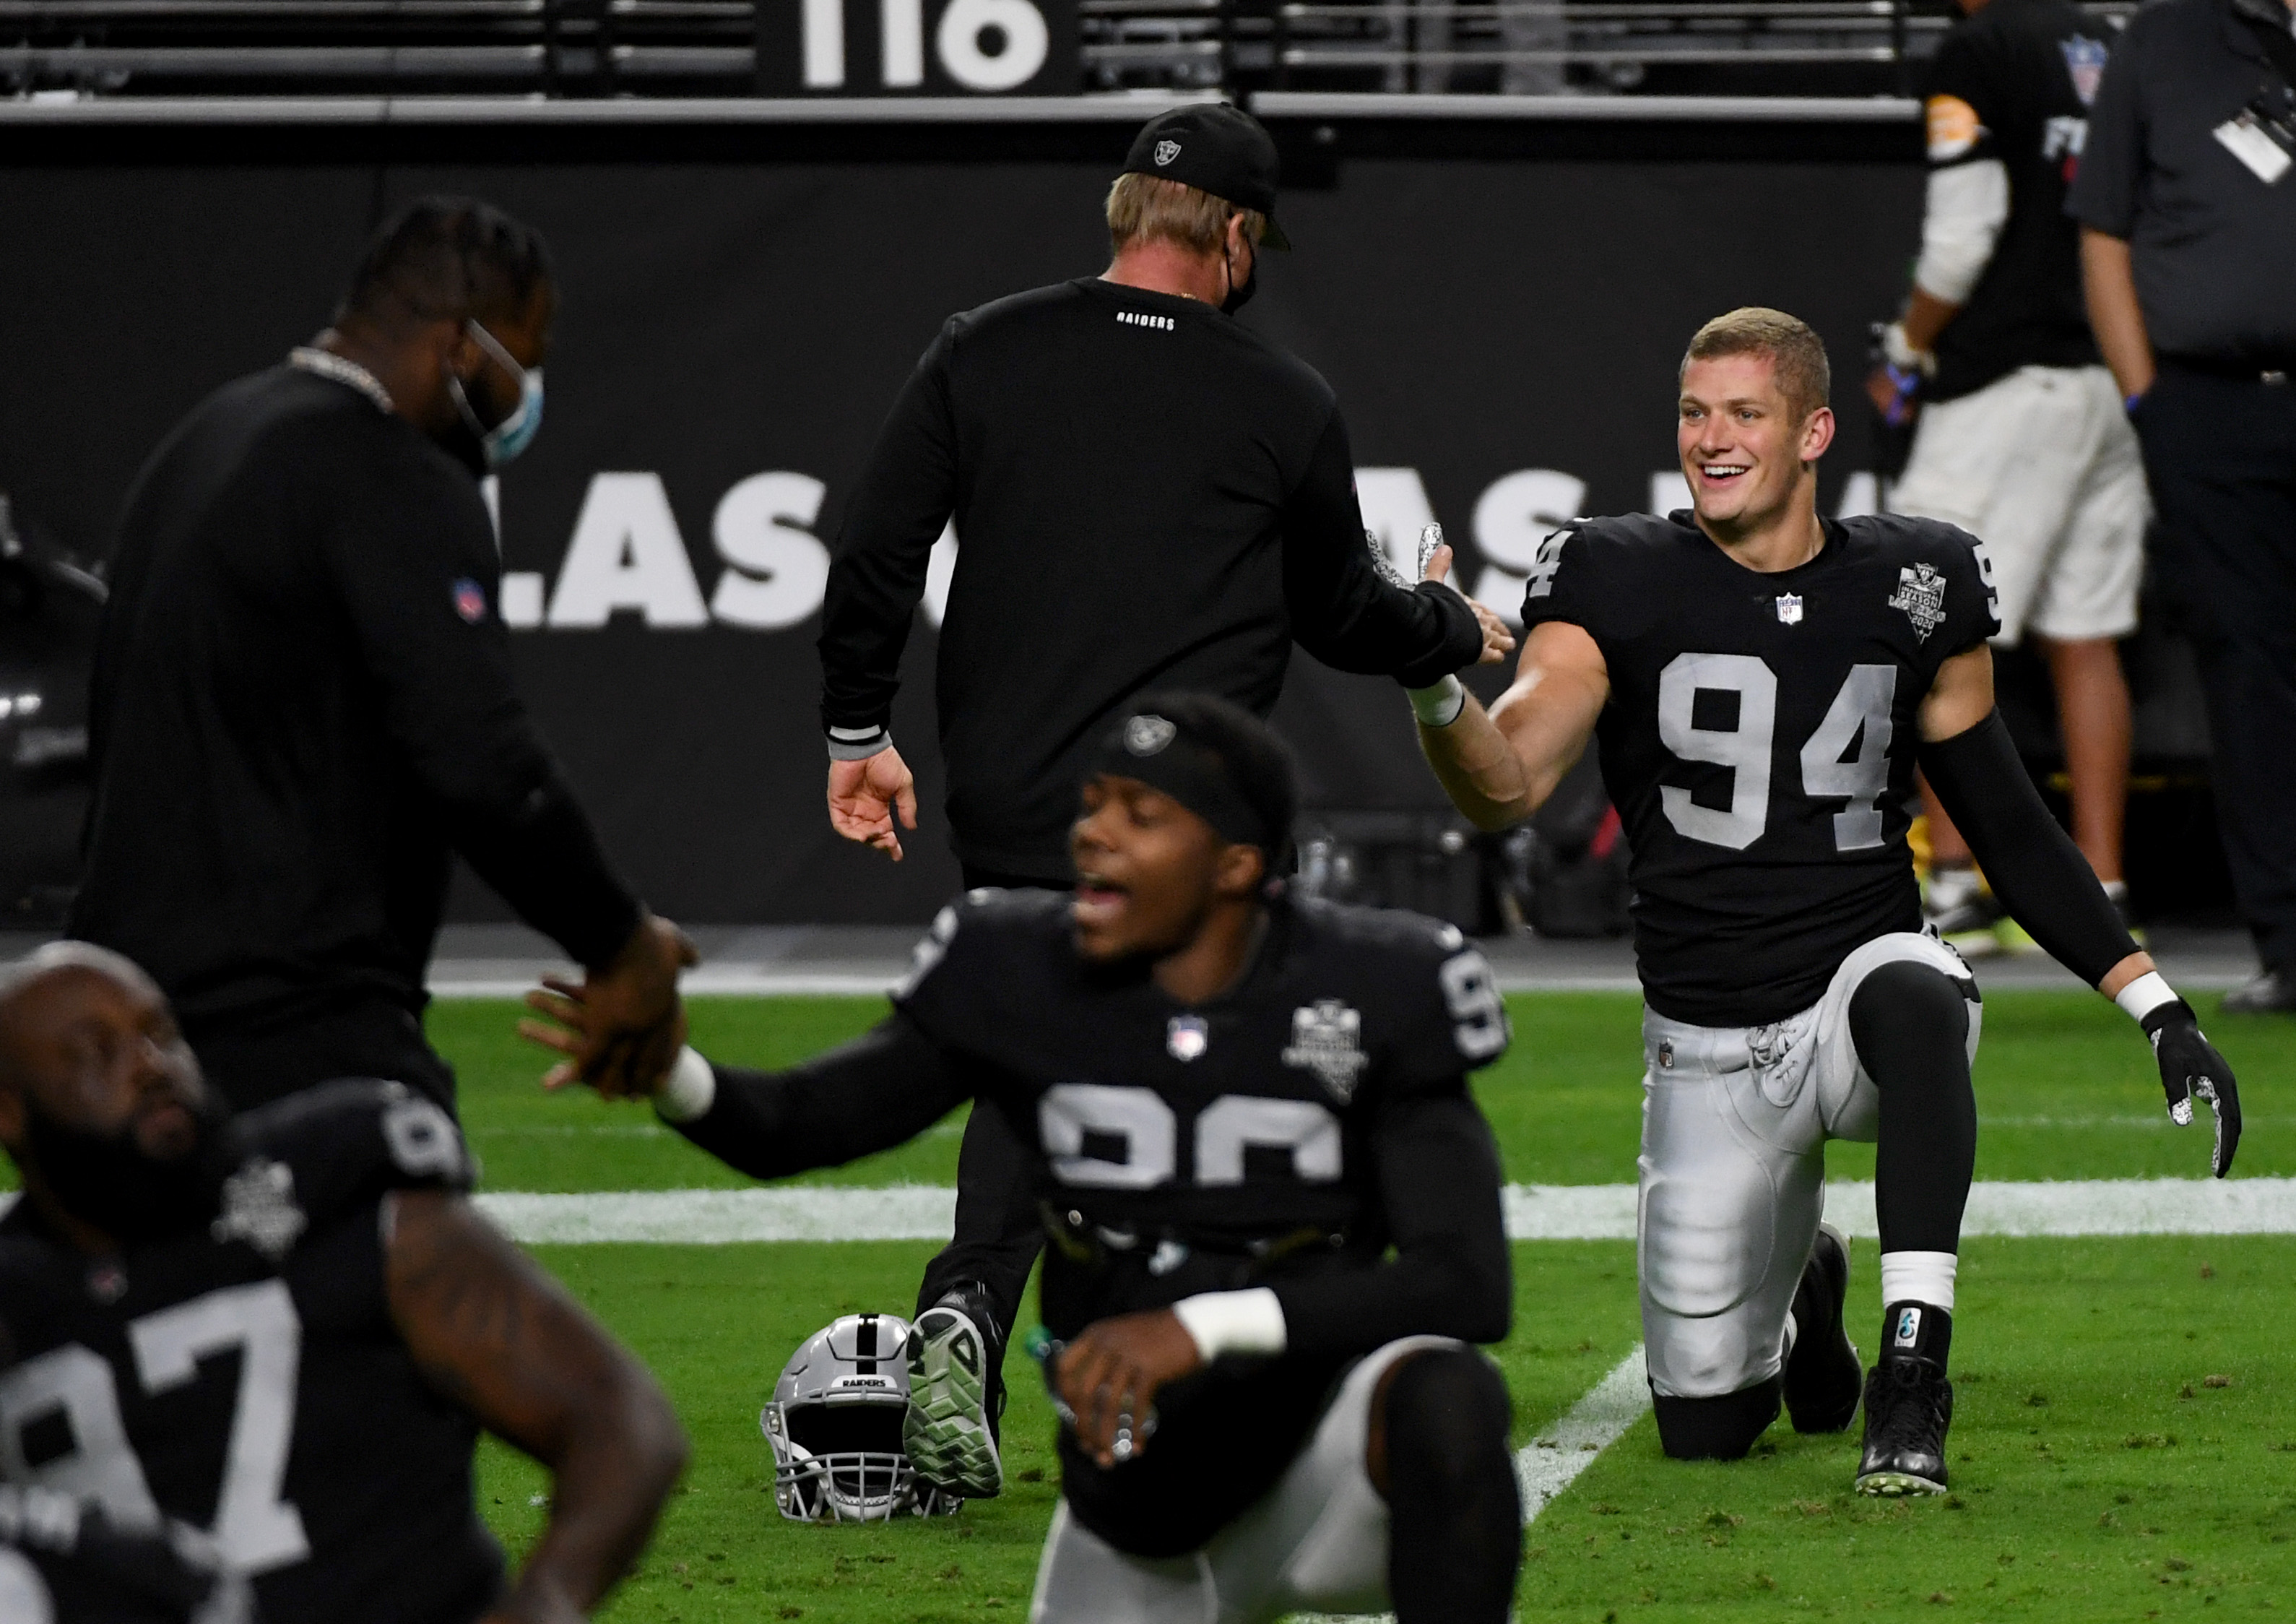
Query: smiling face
(1746,448)
(88,1045)
(1149,872)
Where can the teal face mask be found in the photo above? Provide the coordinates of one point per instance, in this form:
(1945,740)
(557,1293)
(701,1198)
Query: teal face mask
(514,433)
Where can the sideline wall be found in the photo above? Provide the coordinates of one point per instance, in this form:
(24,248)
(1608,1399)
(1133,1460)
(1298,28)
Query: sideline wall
(1500,314)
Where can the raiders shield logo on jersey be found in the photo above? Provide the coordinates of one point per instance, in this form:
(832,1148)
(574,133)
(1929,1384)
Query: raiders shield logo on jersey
(1327,1039)
(1920,594)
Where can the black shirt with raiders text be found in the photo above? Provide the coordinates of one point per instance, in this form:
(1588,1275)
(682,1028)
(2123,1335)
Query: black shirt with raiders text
(1759,738)
(2013,84)
(1310,1131)
(1146,494)
(246,1379)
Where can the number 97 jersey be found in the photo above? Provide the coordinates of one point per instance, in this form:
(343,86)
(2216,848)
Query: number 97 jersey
(1759,740)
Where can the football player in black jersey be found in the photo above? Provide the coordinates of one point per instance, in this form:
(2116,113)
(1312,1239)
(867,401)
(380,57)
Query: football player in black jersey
(1273,1207)
(1761,682)
(271,1341)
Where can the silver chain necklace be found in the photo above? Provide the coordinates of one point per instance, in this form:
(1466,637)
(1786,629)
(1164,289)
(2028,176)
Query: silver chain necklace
(327,363)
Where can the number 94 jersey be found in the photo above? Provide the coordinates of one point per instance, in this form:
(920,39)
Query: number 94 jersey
(1759,739)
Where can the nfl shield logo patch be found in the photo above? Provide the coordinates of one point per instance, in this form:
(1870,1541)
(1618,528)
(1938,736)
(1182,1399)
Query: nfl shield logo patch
(1187,1037)
(470,601)
(2085,60)
(1789,608)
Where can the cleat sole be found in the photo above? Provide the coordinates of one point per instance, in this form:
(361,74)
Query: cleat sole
(945,1433)
(1894,1485)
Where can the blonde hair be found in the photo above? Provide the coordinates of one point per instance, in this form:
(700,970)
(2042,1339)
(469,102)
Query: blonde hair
(1145,209)
(1797,354)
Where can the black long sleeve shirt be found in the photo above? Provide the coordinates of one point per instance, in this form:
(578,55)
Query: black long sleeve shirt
(1146,495)
(302,704)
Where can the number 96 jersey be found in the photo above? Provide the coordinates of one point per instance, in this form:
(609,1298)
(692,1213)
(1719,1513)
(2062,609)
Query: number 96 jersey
(1759,740)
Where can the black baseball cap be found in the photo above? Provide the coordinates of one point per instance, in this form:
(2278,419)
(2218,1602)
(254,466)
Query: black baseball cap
(1214,148)
(1216,759)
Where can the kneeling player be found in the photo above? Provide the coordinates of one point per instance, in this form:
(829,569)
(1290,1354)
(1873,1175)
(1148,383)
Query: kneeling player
(1761,682)
(268,1343)
(1271,1203)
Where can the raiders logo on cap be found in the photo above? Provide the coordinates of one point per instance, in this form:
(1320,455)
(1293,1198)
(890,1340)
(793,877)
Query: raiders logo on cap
(1145,735)
(1166,150)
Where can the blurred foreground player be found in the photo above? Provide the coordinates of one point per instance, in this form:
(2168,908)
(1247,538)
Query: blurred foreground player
(1273,1211)
(2020,437)
(274,1338)
(303,703)
(1146,494)
(1761,682)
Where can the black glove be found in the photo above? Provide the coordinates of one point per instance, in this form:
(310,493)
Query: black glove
(2190,1068)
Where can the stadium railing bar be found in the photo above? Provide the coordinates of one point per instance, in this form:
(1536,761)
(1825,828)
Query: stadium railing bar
(708,48)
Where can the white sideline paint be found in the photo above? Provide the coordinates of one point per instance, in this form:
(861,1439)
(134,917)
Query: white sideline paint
(1544,1466)
(1534,1212)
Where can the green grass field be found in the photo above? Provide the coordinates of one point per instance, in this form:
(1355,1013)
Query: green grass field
(2098,1473)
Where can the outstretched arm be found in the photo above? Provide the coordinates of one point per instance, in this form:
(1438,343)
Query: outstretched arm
(1498,766)
(2048,887)
(883,1089)
(495,1334)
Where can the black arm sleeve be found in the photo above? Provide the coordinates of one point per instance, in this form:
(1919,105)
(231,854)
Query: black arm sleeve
(883,1089)
(907,493)
(2032,865)
(1451,1273)
(1343,612)
(399,552)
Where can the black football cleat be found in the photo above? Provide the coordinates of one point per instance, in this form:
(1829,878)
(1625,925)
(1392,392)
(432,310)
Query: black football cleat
(1908,1407)
(1824,1372)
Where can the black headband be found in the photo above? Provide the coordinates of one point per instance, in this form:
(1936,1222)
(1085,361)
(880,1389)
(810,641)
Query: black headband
(1162,754)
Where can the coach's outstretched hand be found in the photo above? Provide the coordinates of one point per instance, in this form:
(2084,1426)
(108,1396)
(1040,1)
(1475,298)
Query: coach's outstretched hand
(865,794)
(2191,1069)
(1110,1375)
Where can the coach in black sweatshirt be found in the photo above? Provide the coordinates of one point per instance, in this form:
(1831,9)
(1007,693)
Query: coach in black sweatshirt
(1146,494)
(303,702)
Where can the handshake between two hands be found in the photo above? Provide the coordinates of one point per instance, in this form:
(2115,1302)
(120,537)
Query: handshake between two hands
(620,1027)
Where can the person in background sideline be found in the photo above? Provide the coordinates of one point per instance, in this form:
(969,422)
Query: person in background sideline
(2020,437)
(2188,244)
(303,703)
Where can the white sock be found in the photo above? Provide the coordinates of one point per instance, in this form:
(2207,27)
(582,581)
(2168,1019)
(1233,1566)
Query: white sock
(1918,1276)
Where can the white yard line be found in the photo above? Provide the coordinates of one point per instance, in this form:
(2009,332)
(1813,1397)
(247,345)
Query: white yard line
(1534,1212)
(1546,1465)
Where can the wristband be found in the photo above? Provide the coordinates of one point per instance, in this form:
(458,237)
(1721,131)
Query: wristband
(859,743)
(2148,992)
(2129,403)
(1901,354)
(690,1090)
(1232,1321)
(1440,705)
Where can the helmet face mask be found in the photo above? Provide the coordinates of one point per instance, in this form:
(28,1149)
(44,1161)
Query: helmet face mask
(834,1426)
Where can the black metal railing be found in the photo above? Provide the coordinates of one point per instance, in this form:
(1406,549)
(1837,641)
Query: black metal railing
(708,48)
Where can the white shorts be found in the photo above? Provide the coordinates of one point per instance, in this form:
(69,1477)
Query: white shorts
(1734,1126)
(2042,467)
(1316,1542)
